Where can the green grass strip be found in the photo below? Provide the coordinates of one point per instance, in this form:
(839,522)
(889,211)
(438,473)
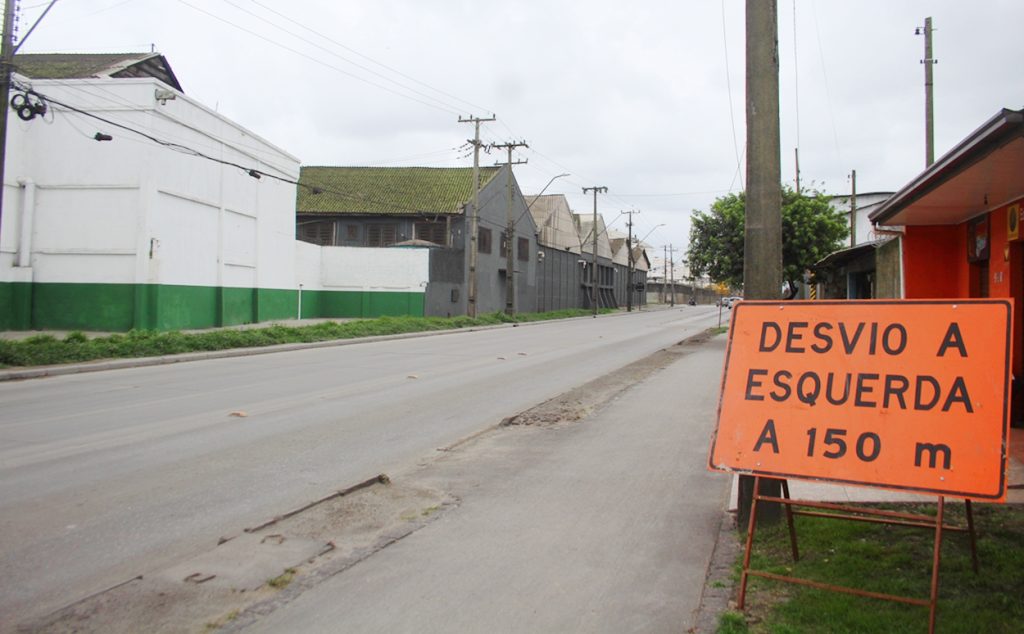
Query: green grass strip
(890,559)
(76,347)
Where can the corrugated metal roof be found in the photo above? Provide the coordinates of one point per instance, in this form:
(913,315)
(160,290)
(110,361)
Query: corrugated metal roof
(92,65)
(387,190)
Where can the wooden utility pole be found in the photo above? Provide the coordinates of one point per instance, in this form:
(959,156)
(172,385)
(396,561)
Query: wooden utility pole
(929,94)
(510,230)
(762,246)
(474,213)
(593,259)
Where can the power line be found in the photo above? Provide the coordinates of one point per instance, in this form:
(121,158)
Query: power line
(370,59)
(251,171)
(318,61)
(732,114)
(341,57)
(824,74)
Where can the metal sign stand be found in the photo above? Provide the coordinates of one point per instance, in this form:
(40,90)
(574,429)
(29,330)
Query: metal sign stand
(875,516)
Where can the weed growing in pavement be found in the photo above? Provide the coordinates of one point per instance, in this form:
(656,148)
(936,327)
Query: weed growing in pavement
(77,347)
(282,580)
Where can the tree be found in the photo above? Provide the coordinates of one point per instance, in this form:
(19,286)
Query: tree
(811,229)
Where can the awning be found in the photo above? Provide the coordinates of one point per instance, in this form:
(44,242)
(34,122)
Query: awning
(838,258)
(984,172)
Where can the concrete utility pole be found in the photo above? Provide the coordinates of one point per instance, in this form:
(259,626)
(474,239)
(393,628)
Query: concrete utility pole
(853,208)
(762,246)
(474,213)
(796,153)
(629,266)
(929,93)
(7,50)
(6,68)
(593,259)
(671,264)
(510,230)
(664,273)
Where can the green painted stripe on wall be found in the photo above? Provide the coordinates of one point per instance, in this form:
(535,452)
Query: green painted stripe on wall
(15,306)
(122,307)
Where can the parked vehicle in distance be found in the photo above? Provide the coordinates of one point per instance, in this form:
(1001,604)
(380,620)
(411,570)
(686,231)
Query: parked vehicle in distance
(729,301)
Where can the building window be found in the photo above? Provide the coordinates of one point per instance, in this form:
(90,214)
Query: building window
(316,232)
(435,232)
(523,250)
(483,241)
(381,235)
(352,233)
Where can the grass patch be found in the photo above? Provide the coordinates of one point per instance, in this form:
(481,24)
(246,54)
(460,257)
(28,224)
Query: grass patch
(893,560)
(282,580)
(76,347)
(732,623)
(221,622)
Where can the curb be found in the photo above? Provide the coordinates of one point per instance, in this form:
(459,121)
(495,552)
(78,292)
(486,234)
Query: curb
(38,372)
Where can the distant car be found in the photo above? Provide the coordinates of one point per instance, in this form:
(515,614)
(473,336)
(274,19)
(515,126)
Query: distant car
(729,301)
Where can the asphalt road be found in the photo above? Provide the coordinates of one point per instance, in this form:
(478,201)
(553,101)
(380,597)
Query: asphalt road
(606,524)
(109,475)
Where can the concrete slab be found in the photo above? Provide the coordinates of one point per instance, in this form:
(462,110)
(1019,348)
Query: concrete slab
(245,562)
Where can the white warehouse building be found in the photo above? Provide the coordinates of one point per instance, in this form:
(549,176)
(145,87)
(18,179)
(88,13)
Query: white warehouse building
(112,221)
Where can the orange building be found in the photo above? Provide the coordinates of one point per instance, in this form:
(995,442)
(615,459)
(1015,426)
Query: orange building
(961,219)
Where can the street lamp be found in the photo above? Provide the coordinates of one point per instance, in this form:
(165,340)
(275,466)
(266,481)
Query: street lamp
(640,241)
(537,197)
(509,266)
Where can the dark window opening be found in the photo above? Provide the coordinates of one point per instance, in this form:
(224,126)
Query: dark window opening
(435,232)
(381,235)
(523,250)
(483,240)
(319,232)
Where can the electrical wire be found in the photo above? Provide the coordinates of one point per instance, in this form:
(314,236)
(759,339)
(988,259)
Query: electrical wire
(341,57)
(369,59)
(122,103)
(824,74)
(796,80)
(732,114)
(319,61)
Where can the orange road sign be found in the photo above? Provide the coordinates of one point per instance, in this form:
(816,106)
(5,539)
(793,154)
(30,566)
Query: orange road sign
(910,395)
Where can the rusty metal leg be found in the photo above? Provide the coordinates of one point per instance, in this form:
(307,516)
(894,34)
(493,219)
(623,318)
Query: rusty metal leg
(751,525)
(789,521)
(972,535)
(934,599)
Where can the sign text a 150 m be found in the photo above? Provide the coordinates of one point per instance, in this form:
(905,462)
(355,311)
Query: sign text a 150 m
(909,395)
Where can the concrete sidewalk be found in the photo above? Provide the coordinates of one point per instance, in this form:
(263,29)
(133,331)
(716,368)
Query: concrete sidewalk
(606,524)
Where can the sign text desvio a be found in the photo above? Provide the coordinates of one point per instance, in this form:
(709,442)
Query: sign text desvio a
(909,395)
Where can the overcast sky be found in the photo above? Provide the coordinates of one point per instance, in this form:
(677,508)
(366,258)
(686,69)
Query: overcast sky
(644,97)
